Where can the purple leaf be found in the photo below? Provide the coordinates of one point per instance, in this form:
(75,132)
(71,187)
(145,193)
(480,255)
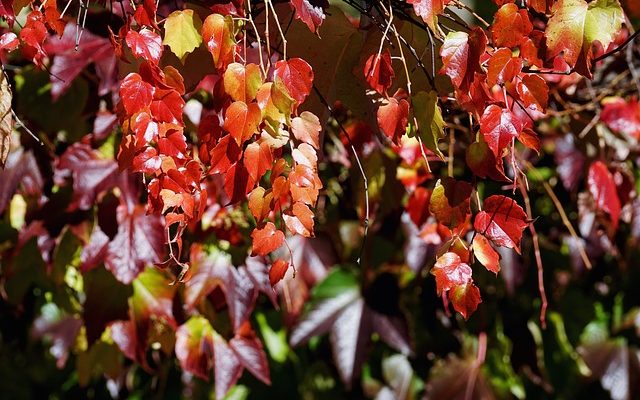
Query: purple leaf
(139,241)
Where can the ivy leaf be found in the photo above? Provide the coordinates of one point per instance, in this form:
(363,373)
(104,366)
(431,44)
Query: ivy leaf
(465,299)
(622,116)
(499,126)
(418,206)
(194,346)
(299,219)
(266,238)
(304,184)
(378,71)
(69,62)
(305,155)
(450,271)
(503,67)
(483,162)
(306,128)
(603,189)
(340,309)
(297,77)
(502,221)
(460,54)
(429,118)
(429,10)
(242,82)
(450,203)
(138,242)
(277,271)
(224,155)
(182,32)
(311,12)
(576,25)
(260,203)
(258,160)
(485,254)
(217,34)
(393,117)
(242,120)
(145,44)
(249,351)
(135,93)
(510,26)
(534,92)
(237,183)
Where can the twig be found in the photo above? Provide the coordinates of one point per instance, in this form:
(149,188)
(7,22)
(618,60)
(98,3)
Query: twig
(33,135)
(536,249)
(619,48)
(563,214)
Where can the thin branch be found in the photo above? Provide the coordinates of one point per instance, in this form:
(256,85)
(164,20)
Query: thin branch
(619,48)
(536,249)
(364,176)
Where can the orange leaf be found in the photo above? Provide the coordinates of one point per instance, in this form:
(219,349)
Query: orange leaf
(266,238)
(278,270)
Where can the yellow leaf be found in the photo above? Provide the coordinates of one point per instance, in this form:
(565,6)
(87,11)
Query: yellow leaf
(182,32)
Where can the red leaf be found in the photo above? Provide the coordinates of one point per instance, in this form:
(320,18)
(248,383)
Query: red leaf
(299,219)
(393,117)
(308,13)
(603,189)
(499,126)
(306,128)
(242,82)
(242,120)
(503,67)
(145,44)
(304,154)
(418,206)
(534,92)
(226,153)
(146,13)
(227,366)
(296,75)
(502,220)
(217,34)
(449,203)
(9,41)
(139,241)
(33,35)
(237,183)
(258,159)
(304,184)
(194,346)
(135,93)
(465,299)
(429,10)
(249,351)
(483,163)
(622,116)
(460,54)
(277,271)
(485,254)
(450,272)
(378,71)
(266,238)
(510,26)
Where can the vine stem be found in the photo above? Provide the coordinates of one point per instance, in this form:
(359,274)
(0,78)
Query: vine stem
(536,249)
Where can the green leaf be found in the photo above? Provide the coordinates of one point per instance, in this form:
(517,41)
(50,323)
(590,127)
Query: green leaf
(575,25)
(337,282)
(182,32)
(429,118)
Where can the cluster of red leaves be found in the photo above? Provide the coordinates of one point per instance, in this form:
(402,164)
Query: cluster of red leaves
(498,78)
